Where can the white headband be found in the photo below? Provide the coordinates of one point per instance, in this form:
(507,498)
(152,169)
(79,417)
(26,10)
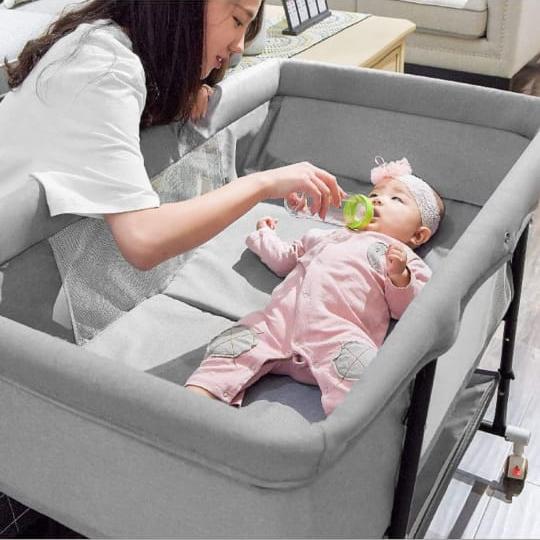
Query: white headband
(421,191)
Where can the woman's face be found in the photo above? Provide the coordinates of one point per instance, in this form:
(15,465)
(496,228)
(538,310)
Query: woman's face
(225,28)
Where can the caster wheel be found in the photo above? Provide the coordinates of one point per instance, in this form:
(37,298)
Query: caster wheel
(516,467)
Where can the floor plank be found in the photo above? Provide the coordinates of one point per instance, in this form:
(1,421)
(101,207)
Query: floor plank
(531,421)
(464,505)
(516,519)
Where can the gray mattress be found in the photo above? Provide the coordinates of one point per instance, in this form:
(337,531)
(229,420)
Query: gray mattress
(105,439)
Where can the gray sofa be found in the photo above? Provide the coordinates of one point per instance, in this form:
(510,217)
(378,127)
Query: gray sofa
(105,439)
(484,41)
(23,22)
(478,41)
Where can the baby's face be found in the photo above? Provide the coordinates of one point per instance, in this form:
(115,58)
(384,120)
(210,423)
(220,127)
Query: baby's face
(395,212)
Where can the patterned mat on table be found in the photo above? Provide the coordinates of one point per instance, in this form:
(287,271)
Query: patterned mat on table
(278,45)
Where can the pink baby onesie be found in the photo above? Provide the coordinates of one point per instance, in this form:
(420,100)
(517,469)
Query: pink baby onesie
(324,322)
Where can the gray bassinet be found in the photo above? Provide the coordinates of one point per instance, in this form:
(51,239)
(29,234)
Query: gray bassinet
(104,438)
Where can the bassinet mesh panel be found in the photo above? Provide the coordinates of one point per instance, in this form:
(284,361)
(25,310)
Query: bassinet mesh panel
(100,284)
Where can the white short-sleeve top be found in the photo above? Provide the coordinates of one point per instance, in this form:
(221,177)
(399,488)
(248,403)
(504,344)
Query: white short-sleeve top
(73,125)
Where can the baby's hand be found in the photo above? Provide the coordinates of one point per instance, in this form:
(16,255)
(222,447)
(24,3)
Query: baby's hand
(201,102)
(295,201)
(267,222)
(396,266)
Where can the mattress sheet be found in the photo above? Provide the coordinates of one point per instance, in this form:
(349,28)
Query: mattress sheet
(167,335)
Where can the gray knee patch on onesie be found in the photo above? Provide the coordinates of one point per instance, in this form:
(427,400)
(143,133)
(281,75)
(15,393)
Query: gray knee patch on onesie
(232,342)
(353,358)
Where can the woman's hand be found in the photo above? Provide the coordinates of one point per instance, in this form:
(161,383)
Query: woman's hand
(267,222)
(201,103)
(319,185)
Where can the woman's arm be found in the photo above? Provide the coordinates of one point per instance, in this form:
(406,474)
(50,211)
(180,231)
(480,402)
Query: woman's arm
(148,237)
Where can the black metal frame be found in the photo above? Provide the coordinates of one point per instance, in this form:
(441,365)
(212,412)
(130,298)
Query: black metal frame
(410,456)
(418,409)
(489,81)
(498,426)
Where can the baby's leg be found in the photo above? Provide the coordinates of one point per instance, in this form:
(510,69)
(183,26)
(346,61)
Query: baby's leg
(200,390)
(234,360)
(338,371)
(222,379)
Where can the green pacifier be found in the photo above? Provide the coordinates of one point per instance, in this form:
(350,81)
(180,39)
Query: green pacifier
(357,211)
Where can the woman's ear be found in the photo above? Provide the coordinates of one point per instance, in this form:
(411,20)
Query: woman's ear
(421,236)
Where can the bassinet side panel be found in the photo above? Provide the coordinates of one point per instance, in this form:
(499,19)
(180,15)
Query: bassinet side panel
(431,325)
(480,319)
(45,377)
(408,94)
(464,161)
(114,471)
(25,219)
(473,144)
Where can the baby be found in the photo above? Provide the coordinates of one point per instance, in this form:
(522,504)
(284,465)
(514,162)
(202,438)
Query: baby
(327,319)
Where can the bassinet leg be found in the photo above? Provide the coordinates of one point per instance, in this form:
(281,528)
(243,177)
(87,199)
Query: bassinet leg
(410,456)
(518,436)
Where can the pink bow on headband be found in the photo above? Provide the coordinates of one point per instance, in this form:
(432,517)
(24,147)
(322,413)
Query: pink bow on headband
(386,171)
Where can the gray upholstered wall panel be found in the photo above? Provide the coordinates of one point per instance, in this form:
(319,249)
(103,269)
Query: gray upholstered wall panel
(245,445)
(464,162)
(103,481)
(480,319)
(410,94)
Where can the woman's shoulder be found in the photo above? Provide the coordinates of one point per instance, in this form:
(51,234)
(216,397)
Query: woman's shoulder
(103,43)
(107,31)
(93,54)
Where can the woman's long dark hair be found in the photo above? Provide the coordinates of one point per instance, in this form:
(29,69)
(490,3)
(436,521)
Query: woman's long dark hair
(168,37)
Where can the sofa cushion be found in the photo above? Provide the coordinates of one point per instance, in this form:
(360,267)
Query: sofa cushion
(449,17)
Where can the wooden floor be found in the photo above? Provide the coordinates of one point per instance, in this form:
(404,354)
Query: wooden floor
(477,505)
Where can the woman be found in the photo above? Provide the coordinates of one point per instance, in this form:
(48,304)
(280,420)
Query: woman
(147,63)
